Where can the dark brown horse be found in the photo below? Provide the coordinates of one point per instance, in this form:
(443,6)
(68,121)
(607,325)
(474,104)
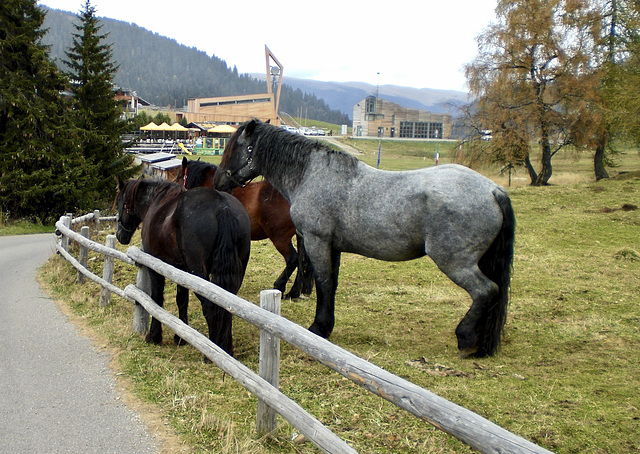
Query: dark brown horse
(203,232)
(269,215)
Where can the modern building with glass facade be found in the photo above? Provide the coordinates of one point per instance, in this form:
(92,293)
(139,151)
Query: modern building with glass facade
(376,117)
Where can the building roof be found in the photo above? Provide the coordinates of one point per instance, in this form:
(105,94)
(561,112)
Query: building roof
(155,157)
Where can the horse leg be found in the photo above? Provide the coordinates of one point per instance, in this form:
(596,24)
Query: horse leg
(472,328)
(291,263)
(219,321)
(182,301)
(303,283)
(326,265)
(157,295)
(304,267)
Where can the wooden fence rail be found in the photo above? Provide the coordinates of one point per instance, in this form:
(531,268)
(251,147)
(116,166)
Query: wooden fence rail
(463,424)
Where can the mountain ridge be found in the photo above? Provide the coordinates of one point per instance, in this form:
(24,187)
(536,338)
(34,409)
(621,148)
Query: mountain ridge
(167,73)
(344,95)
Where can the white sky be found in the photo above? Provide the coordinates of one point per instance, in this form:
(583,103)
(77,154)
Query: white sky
(412,43)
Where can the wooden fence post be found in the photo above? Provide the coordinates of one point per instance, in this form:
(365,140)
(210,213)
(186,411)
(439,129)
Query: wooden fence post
(96,219)
(84,253)
(140,314)
(269,362)
(66,221)
(107,273)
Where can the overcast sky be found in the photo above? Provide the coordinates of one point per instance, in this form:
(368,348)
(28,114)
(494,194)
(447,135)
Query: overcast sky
(421,44)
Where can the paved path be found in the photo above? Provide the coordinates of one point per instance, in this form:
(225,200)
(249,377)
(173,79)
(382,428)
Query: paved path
(57,393)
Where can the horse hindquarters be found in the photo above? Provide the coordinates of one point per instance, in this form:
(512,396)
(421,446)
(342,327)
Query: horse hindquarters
(227,266)
(496,264)
(480,331)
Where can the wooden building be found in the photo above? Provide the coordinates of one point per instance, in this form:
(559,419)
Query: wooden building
(233,110)
(160,165)
(230,109)
(376,117)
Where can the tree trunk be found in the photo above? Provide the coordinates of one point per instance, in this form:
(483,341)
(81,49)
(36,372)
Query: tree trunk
(598,163)
(546,170)
(533,175)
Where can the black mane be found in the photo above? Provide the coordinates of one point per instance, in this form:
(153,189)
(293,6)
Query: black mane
(286,154)
(197,172)
(159,188)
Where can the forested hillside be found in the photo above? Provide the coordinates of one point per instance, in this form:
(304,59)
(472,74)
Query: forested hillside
(166,73)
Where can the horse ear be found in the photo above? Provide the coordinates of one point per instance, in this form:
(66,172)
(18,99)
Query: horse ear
(251,127)
(185,163)
(119,182)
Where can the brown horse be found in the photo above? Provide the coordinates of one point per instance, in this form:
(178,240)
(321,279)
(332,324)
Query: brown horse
(269,215)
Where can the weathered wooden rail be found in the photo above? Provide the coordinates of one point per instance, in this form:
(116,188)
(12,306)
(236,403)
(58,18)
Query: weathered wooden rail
(453,419)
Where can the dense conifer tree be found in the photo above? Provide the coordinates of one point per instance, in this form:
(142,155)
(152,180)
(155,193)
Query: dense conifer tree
(96,109)
(42,173)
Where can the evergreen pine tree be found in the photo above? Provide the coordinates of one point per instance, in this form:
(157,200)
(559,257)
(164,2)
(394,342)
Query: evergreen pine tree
(42,173)
(97,111)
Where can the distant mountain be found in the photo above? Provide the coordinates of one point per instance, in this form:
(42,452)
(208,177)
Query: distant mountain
(166,73)
(344,95)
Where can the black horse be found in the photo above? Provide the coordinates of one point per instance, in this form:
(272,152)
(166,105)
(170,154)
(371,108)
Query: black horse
(204,232)
(269,215)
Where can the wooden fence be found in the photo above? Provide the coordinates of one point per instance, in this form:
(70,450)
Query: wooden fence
(476,431)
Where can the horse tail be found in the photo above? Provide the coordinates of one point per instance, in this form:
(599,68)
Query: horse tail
(496,264)
(227,267)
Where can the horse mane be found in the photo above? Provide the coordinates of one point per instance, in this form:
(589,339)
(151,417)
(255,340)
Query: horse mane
(197,171)
(286,154)
(162,188)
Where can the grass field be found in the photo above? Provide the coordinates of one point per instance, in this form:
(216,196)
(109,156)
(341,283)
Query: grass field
(566,376)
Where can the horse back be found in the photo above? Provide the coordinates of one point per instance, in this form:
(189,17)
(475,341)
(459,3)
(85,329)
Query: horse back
(393,215)
(159,227)
(214,236)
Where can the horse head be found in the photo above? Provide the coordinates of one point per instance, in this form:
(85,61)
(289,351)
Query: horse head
(196,173)
(128,219)
(238,165)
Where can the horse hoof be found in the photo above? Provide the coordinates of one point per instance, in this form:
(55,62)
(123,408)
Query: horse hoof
(151,339)
(315,329)
(467,352)
(178,340)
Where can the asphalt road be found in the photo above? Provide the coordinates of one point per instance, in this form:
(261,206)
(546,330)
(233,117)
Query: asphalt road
(57,393)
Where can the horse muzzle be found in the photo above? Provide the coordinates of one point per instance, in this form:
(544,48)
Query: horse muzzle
(123,236)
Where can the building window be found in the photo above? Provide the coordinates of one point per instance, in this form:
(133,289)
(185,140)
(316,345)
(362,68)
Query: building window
(406,129)
(370,107)
(420,130)
(435,130)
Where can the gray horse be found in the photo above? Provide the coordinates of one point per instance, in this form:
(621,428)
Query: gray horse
(459,218)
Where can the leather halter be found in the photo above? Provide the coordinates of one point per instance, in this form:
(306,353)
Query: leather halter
(231,174)
(119,222)
(184,177)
